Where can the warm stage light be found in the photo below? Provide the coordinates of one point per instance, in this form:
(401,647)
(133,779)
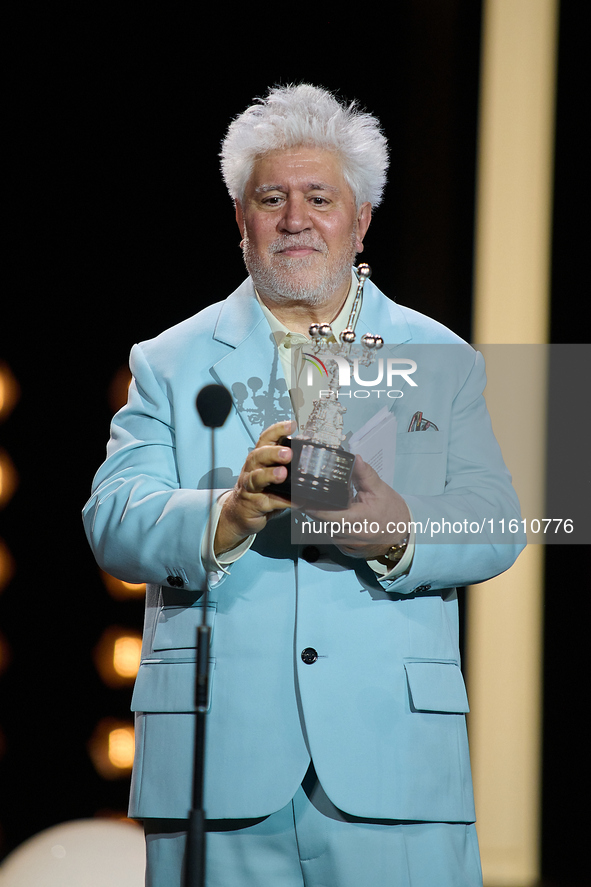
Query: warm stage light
(8,478)
(121,747)
(117,656)
(126,656)
(118,388)
(9,390)
(7,565)
(111,748)
(122,590)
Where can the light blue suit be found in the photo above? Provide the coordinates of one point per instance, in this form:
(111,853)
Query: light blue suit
(383,706)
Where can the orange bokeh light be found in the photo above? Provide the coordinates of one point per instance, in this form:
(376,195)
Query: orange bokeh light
(9,390)
(8,478)
(111,748)
(122,590)
(117,656)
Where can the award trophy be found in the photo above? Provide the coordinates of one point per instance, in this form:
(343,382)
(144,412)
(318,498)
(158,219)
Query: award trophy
(321,468)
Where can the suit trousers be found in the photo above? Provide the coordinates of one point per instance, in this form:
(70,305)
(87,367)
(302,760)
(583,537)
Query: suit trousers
(310,843)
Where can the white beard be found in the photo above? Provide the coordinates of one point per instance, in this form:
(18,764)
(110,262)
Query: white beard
(305,280)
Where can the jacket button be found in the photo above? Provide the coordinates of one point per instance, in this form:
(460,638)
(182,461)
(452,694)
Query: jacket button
(175,581)
(310,553)
(420,588)
(309,655)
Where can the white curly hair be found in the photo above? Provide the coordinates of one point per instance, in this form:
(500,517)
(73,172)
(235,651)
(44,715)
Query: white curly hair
(290,116)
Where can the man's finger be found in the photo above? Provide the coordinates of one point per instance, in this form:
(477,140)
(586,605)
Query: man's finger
(275,432)
(258,480)
(264,457)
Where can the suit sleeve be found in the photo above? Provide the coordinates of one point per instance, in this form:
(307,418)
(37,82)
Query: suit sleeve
(463,535)
(141,525)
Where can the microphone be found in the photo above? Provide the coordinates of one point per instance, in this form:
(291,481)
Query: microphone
(213,405)
(214,402)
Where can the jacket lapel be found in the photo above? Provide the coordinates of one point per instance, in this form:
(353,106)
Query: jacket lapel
(251,371)
(382,317)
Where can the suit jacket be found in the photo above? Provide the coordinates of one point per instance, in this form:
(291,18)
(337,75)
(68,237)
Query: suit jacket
(381,711)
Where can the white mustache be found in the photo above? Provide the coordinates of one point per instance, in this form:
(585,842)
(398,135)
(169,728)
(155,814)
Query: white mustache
(288,241)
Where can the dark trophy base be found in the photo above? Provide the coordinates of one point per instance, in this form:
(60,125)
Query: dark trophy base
(318,475)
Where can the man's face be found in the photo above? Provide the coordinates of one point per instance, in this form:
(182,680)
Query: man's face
(300,226)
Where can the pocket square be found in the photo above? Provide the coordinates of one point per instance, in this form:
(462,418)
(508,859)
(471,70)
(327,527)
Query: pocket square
(418,423)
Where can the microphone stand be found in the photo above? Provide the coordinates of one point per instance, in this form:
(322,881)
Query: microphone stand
(213,404)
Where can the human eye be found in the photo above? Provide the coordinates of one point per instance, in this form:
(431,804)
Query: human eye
(272,198)
(273,202)
(319,201)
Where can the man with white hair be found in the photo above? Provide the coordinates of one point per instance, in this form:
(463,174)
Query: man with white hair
(336,746)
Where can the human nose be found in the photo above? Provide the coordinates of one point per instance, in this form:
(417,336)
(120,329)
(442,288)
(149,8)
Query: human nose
(295,217)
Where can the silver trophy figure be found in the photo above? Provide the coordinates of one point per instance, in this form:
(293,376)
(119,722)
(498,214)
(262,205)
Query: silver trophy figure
(321,467)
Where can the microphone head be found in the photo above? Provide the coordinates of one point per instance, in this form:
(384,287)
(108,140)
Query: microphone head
(214,402)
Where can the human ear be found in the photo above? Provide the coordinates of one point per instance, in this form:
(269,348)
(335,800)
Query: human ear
(363,220)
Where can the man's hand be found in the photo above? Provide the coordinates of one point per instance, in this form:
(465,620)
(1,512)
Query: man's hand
(379,513)
(248,508)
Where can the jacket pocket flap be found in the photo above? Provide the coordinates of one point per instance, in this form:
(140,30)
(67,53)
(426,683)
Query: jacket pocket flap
(436,686)
(176,627)
(168,687)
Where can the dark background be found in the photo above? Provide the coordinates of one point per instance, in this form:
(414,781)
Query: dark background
(120,226)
